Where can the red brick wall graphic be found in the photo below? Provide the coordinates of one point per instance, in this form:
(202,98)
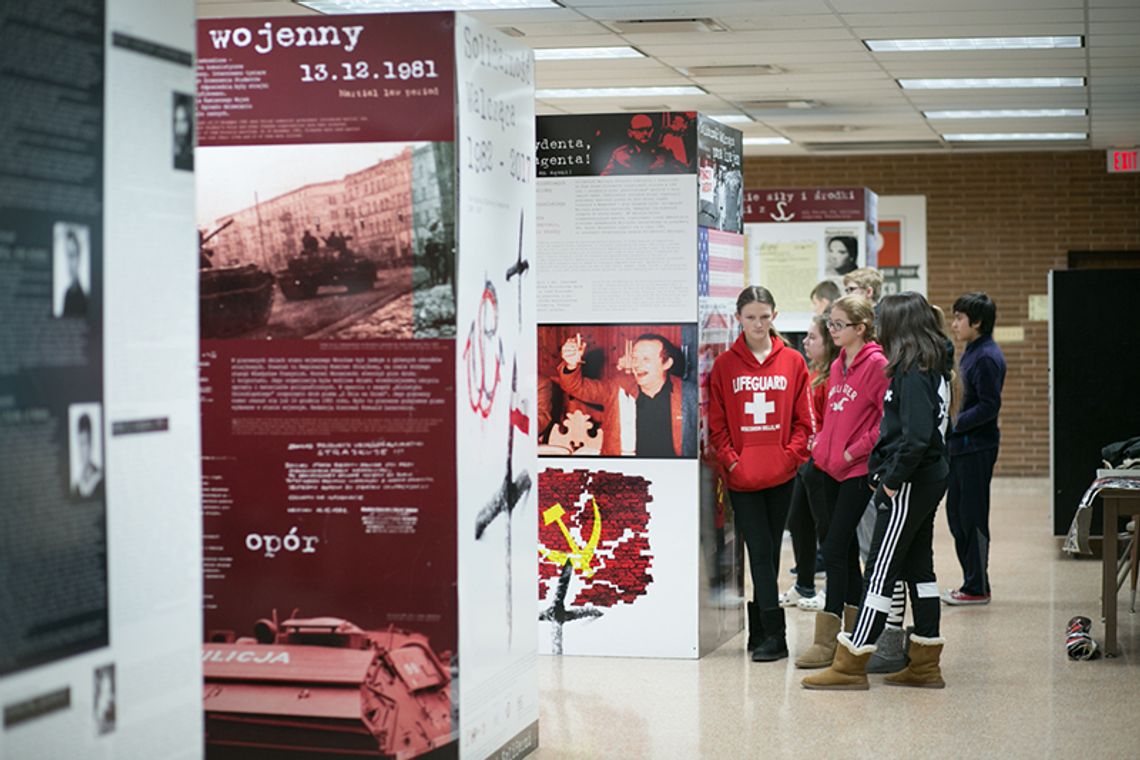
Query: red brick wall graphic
(593,544)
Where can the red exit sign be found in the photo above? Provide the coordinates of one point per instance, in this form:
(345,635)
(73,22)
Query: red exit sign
(1122,161)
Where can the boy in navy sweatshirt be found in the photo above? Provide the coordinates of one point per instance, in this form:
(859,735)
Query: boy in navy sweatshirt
(973,444)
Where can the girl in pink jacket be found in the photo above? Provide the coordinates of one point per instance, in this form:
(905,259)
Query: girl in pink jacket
(854,405)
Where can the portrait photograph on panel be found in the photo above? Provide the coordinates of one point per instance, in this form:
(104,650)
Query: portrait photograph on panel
(618,390)
(71,269)
(182,131)
(85,449)
(841,252)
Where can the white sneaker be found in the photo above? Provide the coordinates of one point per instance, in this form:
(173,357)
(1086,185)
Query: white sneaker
(790,598)
(812,603)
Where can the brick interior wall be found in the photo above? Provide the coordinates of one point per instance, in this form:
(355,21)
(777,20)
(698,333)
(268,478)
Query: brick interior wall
(996,222)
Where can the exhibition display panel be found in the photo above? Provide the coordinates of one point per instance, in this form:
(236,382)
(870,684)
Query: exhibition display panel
(100,529)
(797,237)
(640,262)
(366,215)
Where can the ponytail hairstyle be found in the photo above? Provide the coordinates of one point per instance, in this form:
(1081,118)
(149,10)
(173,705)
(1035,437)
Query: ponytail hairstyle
(830,351)
(951,370)
(911,336)
(758,294)
(860,311)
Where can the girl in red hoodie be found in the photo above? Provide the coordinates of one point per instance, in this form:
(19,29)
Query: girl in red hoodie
(759,425)
(855,389)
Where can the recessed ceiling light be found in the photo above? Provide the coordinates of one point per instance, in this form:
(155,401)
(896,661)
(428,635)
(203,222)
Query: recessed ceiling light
(586,53)
(766,141)
(617,92)
(332,7)
(1007,113)
(972,43)
(991,82)
(1017,136)
(729,118)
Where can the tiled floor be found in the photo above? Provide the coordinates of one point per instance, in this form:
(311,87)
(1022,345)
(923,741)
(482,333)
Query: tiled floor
(1011,692)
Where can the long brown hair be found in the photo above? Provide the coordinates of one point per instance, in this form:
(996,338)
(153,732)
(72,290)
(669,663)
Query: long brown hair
(758,294)
(910,336)
(822,368)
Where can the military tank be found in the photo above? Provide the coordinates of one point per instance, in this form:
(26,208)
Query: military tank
(309,270)
(231,300)
(323,685)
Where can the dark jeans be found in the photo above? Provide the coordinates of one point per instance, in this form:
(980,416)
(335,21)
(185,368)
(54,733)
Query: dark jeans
(968,512)
(806,491)
(840,549)
(760,518)
(902,549)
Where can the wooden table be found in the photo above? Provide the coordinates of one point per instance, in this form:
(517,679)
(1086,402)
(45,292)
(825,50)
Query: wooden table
(1116,502)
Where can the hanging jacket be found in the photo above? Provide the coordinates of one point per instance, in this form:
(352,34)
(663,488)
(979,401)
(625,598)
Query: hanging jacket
(759,415)
(854,409)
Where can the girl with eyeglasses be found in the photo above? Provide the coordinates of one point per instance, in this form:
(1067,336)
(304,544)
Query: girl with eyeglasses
(908,466)
(855,388)
(759,425)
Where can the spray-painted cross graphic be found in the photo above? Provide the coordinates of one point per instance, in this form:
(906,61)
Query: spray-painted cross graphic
(759,407)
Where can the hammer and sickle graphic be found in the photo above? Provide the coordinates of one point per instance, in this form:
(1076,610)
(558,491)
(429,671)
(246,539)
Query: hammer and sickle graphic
(580,557)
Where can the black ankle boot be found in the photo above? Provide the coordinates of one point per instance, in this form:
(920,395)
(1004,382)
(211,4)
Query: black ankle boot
(775,645)
(755,630)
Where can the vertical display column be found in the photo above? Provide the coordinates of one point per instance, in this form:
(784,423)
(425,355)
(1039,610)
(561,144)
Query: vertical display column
(621,280)
(800,236)
(327,287)
(53,463)
(495,389)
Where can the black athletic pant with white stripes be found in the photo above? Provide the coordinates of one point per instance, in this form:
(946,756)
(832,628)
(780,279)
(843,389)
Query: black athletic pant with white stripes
(902,549)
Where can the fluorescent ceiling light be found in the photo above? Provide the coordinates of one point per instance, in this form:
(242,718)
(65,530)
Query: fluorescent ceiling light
(730,118)
(1018,136)
(332,7)
(992,82)
(766,141)
(1007,113)
(586,53)
(616,92)
(972,43)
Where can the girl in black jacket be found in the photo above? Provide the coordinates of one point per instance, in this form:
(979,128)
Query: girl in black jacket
(908,471)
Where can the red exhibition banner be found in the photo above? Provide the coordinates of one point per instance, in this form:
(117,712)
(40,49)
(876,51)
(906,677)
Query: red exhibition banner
(326,212)
(287,80)
(838,204)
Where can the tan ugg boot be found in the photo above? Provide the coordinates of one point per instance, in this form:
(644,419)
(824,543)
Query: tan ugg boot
(848,672)
(850,617)
(923,671)
(822,652)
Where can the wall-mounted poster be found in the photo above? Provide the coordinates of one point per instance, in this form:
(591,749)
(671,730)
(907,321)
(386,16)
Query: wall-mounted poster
(902,242)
